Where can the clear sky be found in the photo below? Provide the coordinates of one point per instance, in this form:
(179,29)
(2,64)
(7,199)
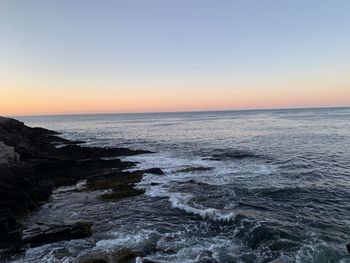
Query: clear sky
(91,56)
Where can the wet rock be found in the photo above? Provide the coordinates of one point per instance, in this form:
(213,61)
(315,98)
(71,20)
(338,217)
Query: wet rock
(121,184)
(122,192)
(113,181)
(50,234)
(65,172)
(60,142)
(79,152)
(348,247)
(156,171)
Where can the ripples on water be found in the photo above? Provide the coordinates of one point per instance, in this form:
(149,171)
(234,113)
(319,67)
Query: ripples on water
(242,186)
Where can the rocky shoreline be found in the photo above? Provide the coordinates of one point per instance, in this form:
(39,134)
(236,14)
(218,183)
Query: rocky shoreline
(34,162)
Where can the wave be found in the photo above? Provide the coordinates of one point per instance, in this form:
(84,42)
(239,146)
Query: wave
(182,202)
(186,178)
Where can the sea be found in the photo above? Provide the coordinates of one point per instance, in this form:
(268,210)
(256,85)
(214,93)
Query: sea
(239,186)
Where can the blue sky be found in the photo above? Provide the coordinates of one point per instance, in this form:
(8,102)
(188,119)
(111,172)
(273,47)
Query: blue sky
(147,46)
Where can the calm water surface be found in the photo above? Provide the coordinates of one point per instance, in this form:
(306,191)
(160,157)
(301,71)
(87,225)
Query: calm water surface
(271,182)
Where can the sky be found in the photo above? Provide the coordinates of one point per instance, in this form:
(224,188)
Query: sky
(104,56)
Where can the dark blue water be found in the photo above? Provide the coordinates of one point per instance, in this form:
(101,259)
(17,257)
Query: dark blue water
(270,182)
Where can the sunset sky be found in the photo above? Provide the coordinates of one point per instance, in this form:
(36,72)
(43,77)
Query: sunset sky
(97,56)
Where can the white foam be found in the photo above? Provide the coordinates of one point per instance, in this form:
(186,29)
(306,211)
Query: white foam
(182,202)
(311,251)
(124,239)
(196,249)
(165,186)
(81,184)
(52,253)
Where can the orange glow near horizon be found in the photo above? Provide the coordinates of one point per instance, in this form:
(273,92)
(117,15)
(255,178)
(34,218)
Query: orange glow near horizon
(38,100)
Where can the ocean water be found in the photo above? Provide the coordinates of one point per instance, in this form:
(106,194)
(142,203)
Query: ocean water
(240,186)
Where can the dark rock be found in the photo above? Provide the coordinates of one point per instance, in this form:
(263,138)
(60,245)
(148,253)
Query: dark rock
(7,254)
(156,171)
(20,191)
(42,167)
(51,234)
(66,172)
(28,142)
(122,192)
(348,247)
(121,185)
(114,181)
(10,230)
(79,152)
(59,141)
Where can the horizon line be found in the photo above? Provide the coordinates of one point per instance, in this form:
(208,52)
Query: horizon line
(180,111)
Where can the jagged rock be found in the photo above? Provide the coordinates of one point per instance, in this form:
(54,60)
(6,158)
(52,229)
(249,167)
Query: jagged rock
(156,171)
(8,154)
(113,180)
(10,230)
(26,183)
(121,184)
(19,188)
(28,142)
(20,191)
(50,234)
(66,172)
(121,192)
(79,152)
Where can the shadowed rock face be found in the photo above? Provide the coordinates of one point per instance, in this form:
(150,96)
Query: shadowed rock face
(79,152)
(27,182)
(8,154)
(20,191)
(28,142)
(50,234)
